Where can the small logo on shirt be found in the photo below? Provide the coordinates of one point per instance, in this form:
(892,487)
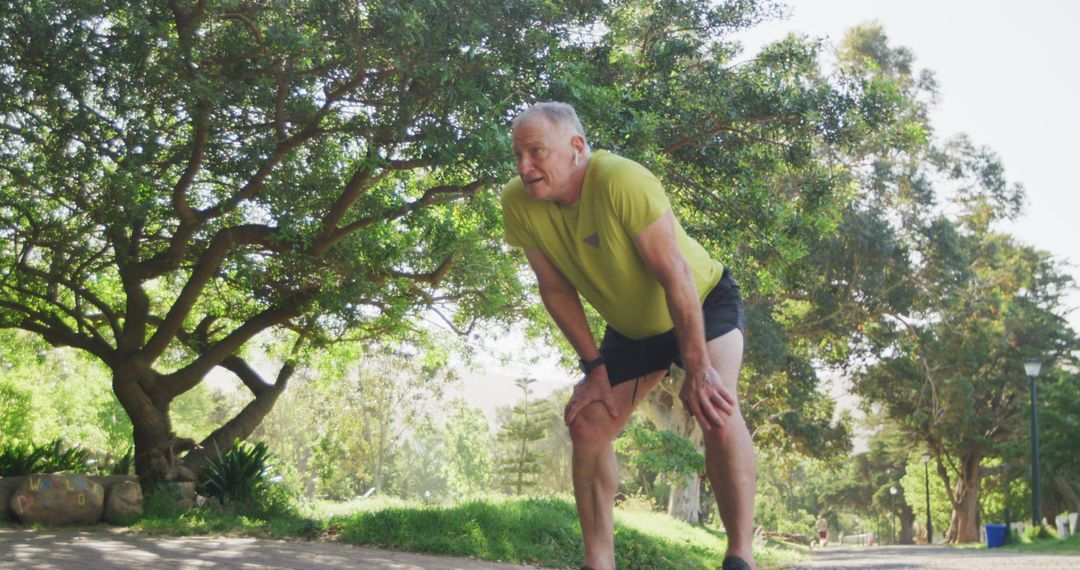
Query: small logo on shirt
(593,240)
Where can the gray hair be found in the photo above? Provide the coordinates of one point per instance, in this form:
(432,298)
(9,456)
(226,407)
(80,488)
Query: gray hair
(562,114)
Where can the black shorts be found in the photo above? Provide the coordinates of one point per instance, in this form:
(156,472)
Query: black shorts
(627,358)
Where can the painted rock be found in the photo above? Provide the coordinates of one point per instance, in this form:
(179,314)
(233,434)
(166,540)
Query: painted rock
(58,499)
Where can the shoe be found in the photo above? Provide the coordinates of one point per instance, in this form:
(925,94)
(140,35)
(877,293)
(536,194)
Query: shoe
(734,563)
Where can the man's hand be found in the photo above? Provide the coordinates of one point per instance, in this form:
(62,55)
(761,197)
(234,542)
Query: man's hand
(703,395)
(594,387)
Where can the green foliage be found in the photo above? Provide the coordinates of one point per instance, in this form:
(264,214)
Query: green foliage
(1069,545)
(660,451)
(1038,532)
(163,501)
(519,465)
(467,441)
(52,457)
(20,459)
(358,418)
(41,404)
(125,464)
(15,423)
(240,479)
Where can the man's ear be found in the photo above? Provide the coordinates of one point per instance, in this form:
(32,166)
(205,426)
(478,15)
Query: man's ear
(577,142)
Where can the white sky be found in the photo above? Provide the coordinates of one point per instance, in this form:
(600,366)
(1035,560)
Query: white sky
(1008,76)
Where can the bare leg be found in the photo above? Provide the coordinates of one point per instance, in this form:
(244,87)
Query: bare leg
(730,461)
(596,475)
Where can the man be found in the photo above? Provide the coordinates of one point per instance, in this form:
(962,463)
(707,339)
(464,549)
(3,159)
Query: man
(600,225)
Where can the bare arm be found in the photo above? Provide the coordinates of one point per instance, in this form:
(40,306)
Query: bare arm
(563,304)
(702,392)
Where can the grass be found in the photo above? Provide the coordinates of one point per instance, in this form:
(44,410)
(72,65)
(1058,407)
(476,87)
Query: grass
(1070,545)
(540,531)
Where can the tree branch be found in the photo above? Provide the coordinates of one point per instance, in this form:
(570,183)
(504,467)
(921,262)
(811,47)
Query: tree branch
(56,333)
(187,377)
(224,242)
(105,309)
(433,196)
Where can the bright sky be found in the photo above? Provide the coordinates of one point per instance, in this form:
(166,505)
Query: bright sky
(1008,76)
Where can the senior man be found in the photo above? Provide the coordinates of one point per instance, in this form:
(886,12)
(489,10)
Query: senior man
(599,225)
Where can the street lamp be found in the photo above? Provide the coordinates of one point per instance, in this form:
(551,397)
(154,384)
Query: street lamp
(1032,367)
(893,491)
(926,480)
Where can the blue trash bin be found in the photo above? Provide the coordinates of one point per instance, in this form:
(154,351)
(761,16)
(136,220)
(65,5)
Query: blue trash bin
(995,535)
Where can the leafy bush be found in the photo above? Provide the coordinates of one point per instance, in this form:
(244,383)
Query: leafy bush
(125,464)
(163,501)
(239,479)
(20,459)
(1033,533)
(27,458)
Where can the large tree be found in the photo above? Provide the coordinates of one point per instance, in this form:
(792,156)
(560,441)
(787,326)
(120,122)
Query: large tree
(951,371)
(177,178)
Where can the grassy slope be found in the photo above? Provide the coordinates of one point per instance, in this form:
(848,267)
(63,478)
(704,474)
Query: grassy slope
(542,531)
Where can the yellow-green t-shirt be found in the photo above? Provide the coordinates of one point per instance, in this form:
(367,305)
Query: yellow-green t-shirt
(591,242)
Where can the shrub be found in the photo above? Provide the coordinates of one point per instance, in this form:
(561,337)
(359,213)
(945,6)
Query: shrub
(1032,533)
(20,459)
(239,479)
(27,458)
(124,464)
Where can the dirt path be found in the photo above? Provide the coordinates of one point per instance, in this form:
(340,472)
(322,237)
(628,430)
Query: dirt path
(68,550)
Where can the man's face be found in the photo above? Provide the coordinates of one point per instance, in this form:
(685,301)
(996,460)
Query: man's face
(545,158)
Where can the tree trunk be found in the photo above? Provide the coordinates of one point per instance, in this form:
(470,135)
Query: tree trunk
(156,447)
(662,408)
(907,525)
(965,520)
(685,500)
(239,427)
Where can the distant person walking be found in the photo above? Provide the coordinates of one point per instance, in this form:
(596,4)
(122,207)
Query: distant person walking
(595,224)
(822,527)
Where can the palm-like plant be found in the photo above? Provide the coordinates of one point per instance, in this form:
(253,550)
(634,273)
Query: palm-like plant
(238,474)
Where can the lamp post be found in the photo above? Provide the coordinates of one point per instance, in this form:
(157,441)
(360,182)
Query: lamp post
(893,491)
(926,480)
(1032,367)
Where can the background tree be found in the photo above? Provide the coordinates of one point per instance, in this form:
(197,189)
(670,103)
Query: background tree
(468,441)
(951,373)
(530,419)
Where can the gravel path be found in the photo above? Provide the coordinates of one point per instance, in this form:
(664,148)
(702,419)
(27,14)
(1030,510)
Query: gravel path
(70,550)
(932,558)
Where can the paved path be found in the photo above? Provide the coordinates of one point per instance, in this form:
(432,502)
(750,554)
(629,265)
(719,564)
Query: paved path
(932,558)
(70,550)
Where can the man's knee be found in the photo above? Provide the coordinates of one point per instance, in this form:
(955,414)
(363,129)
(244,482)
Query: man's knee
(593,425)
(734,428)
